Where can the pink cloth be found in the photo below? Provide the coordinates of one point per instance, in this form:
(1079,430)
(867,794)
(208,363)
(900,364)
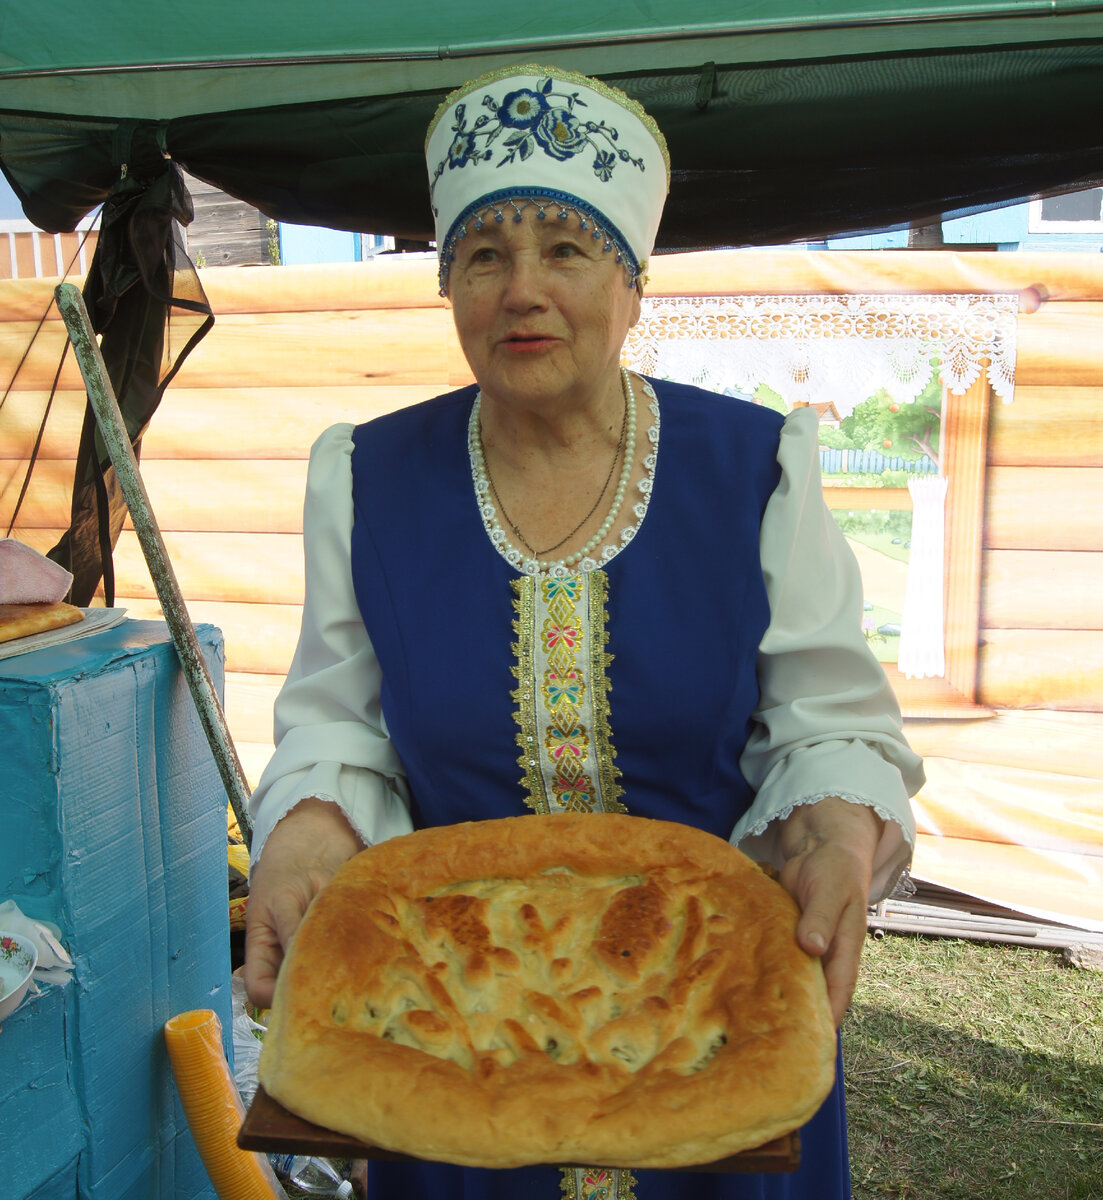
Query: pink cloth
(27,577)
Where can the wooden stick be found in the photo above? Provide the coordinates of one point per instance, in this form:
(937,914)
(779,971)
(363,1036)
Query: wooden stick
(101,396)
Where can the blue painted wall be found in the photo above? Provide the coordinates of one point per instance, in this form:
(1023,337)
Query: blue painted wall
(1007,229)
(301,244)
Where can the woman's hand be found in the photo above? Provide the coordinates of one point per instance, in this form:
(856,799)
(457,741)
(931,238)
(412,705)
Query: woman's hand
(828,849)
(299,858)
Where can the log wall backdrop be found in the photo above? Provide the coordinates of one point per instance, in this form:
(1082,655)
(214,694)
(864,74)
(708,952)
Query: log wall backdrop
(296,348)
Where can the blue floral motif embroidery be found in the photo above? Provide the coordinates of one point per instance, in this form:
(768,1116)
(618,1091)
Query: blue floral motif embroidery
(522,109)
(462,148)
(604,164)
(561,133)
(526,121)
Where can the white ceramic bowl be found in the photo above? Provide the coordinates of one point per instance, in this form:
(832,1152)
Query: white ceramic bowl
(18,958)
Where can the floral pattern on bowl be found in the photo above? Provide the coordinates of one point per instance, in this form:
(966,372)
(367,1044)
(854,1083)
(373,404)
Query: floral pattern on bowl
(18,958)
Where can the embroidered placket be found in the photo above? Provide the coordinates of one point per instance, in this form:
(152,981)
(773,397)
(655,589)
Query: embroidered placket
(597,1183)
(567,756)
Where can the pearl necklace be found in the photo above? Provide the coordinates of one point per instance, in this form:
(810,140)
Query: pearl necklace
(536,554)
(483,484)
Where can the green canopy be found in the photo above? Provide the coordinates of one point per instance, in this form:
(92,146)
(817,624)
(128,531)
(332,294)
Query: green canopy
(793,119)
(788,120)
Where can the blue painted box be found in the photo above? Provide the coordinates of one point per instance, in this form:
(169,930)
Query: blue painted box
(114,828)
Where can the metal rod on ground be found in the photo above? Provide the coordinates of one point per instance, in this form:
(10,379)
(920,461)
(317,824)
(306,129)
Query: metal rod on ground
(904,917)
(101,395)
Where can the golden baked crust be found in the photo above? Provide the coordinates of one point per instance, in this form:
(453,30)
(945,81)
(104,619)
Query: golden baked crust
(23,620)
(579,987)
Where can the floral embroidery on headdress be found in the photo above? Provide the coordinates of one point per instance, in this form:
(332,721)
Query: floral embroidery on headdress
(549,140)
(531,120)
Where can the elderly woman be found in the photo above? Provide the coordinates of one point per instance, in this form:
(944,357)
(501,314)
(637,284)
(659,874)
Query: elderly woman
(634,583)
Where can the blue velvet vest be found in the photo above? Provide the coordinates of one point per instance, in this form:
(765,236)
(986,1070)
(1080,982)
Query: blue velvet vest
(686,611)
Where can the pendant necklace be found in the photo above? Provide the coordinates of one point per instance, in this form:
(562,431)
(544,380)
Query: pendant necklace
(626,442)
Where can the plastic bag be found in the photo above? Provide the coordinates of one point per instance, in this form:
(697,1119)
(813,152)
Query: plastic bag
(247,1038)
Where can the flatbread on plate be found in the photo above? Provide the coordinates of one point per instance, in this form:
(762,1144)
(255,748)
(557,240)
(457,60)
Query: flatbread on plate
(579,987)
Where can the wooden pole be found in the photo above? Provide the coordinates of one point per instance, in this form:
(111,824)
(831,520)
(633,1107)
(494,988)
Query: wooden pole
(101,396)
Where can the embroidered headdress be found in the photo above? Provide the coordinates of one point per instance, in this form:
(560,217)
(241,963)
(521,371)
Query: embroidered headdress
(562,143)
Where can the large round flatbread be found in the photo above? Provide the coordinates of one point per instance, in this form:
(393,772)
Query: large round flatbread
(573,988)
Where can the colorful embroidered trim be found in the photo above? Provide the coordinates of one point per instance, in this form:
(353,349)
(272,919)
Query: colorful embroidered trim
(567,756)
(597,1183)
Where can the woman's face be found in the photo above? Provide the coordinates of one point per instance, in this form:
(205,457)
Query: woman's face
(541,310)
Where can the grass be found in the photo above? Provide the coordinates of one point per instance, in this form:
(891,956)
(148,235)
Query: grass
(974,1071)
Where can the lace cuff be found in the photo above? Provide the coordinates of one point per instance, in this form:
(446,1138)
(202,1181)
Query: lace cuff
(761,841)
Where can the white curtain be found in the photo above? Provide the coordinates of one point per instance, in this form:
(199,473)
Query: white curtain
(922,636)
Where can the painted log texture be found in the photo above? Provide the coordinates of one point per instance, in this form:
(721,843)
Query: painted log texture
(1039,279)
(220,495)
(361,310)
(22,417)
(29,356)
(404,346)
(1048,508)
(268,567)
(248,707)
(1041,668)
(260,638)
(410,280)
(1058,346)
(1048,427)
(307,349)
(1065,743)
(249,701)
(296,349)
(1042,589)
(991,802)
(211,423)
(1048,884)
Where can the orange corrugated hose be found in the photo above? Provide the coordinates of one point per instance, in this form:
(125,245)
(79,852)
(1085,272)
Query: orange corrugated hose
(214,1109)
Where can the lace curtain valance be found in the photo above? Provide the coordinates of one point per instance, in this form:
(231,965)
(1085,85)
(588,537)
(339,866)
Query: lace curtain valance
(842,350)
(819,349)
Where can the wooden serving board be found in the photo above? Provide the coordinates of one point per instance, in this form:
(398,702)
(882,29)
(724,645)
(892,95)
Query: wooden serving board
(270,1128)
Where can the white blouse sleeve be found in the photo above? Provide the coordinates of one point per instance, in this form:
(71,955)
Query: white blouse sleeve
(331,737)
(827,722)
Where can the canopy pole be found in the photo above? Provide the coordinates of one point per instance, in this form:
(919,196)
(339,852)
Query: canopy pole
(104,404)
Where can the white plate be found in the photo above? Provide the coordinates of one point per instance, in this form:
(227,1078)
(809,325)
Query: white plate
(18,956)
